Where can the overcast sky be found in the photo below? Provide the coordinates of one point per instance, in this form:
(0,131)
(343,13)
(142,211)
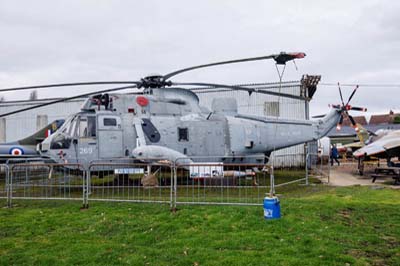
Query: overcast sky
(66,41)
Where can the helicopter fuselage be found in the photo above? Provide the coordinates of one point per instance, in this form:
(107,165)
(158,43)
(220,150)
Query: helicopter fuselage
(117,125)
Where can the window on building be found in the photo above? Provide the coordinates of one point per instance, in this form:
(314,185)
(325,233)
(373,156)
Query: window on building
(271,109)
(183,134)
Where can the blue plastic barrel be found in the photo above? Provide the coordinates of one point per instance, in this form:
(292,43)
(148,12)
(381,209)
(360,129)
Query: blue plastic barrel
(272,209)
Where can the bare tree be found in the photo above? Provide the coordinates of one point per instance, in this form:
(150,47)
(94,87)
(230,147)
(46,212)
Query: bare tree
(33,95)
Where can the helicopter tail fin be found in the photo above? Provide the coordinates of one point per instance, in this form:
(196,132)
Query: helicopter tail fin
(326,123)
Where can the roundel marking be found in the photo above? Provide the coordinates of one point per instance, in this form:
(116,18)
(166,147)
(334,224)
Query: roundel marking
(16,151)
(142,101)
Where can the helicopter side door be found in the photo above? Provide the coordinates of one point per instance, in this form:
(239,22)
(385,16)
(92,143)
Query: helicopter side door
(86,142)
(110,136)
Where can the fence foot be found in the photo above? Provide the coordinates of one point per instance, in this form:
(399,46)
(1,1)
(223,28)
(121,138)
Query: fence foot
(84,207)
(174,209)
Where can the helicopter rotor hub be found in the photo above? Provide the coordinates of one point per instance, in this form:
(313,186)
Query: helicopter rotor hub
(154,81)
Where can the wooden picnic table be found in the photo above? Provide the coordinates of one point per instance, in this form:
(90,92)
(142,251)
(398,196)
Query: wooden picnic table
(393,172)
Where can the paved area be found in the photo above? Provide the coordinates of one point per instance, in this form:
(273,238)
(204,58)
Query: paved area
(340,178)
(346,175)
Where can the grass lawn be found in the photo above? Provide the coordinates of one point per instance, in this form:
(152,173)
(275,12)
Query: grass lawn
(338,226)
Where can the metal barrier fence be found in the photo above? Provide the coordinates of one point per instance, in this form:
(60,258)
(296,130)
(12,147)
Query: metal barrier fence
(217,183)
(4,182)
(234,182)
(318,166)
(46,181)
(291,172)
(134,182)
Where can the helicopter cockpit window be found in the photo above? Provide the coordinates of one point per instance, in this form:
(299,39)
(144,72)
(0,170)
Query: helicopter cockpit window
(62,139)
(87,127)
(72,126)
(183,134)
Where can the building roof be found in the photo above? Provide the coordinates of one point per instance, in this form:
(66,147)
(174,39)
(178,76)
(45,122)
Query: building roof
(359,120)
(383,119)
(349,131)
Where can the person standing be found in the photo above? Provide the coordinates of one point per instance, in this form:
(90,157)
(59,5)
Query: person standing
(334,155)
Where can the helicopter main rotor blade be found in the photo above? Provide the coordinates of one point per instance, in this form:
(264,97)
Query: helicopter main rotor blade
(362,109)
(340,92)
(318,116)
(339,124)
(281,58)
(67,99)
(233,87)
(353,122)
(352,94)
(68,85)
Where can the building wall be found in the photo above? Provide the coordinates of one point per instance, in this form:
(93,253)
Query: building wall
(26,123)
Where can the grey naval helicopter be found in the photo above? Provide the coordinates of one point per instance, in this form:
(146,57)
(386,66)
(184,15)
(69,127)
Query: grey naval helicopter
(166,122)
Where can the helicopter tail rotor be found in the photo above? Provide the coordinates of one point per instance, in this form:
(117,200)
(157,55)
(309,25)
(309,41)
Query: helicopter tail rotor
(345,108)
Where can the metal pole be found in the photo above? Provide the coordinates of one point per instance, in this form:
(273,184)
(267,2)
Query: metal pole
(175,186)
(85,188)
(172,177)
(8,192)
(307,158)
(272,182)
(9,198)
(329,172)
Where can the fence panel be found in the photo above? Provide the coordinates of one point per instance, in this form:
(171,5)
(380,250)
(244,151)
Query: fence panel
(288,169)
(133,182)
(218,183)
(318,166)
(4,181)
(235,181)
(47,181)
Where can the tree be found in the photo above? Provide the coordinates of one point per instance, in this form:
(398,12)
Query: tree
(396,120)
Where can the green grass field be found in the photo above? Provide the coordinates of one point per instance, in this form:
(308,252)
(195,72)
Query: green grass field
(325,226)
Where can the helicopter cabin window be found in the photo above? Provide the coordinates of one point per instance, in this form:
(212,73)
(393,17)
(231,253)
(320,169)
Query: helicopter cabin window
(150,130)
(110,122)
(87,127)
(271,109)
(183,134)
